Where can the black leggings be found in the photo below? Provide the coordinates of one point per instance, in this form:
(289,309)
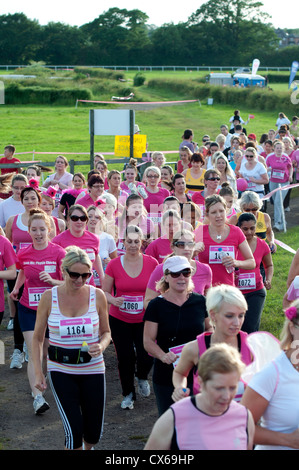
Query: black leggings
(81,401)
(128,342)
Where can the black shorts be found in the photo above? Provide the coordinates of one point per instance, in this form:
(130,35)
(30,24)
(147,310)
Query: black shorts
(81,401)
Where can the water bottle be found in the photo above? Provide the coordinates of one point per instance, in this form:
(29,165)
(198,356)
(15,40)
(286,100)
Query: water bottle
(222,255)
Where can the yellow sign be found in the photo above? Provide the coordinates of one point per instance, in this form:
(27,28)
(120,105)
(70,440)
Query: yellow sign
(122,145)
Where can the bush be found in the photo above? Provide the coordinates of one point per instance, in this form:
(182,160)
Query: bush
(139,79)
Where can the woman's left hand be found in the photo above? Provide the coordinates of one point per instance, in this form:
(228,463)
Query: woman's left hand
(228,262)
(95,350)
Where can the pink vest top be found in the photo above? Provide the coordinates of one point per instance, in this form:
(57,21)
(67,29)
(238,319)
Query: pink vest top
(20,237)
(196,430)
(245,356)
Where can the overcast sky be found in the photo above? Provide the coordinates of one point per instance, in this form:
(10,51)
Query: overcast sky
(284,13)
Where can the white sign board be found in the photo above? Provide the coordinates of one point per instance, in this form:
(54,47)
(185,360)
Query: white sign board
(110,122)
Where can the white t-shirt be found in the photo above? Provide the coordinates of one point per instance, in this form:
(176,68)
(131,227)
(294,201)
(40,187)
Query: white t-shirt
(278,383)
(256,173)
(8,208)
(107,245)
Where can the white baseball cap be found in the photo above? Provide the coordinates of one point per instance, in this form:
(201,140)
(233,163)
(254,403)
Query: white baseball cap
(175,264)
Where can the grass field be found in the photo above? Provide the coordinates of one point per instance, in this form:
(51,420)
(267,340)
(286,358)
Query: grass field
(66,129)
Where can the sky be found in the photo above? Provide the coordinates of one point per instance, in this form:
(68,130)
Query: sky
(159,12)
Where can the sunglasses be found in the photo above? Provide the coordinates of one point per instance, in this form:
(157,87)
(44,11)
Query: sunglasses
(214,179)
(75,218)
(249,156)
(185,272)
(255,209)
(184,244)
(73,275)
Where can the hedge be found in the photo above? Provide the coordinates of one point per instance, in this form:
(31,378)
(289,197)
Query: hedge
(18,94)
(254,98)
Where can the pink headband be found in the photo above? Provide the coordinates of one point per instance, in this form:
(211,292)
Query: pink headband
(291,313)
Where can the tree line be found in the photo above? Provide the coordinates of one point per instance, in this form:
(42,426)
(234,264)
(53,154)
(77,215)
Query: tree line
(220,32)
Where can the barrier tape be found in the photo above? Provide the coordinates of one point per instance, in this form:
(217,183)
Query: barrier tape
(289,186)
(283,245)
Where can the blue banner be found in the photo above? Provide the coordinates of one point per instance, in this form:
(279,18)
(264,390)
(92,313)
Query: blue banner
(294,69)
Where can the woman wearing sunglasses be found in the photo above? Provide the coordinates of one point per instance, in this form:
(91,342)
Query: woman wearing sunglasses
(222,242)
(183,244)
(172,319)
(40,269)
(126,278)
(211,183)
(77,318)
(77,235)
(254,172)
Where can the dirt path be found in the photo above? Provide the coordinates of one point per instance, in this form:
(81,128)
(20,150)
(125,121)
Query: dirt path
(21,429)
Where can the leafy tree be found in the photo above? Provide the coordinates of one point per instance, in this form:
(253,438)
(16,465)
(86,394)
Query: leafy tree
(238,28)
(19,39)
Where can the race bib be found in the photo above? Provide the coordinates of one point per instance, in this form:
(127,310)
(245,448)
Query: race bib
(76,328)
(246,281)
(121,248)
(278,174)
(132,304)
(215,253)
(90,253)
(155,218)
(178,351)
(34,294)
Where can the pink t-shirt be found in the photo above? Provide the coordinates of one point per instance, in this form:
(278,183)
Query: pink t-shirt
(280,168)
(195,430)
(89,242)
(252,280)
(210,254)
(87,201)
(132,289)
(33,262)
(7,259)
(159,249)
(202,278)
(154,202)
(295,158)
(180,167)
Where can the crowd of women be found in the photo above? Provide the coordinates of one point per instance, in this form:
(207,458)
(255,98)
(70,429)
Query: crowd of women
(164,264)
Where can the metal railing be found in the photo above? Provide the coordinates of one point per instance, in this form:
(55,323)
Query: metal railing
(148,68)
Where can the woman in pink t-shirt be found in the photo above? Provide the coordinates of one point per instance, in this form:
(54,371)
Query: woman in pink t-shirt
(218,237)
(250,282)
(125,282)
(161,246)
(95,187)
(78,235)
(40,269)
(155,195)
(281,168)
(8,260)
(130,174)
(183,244)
